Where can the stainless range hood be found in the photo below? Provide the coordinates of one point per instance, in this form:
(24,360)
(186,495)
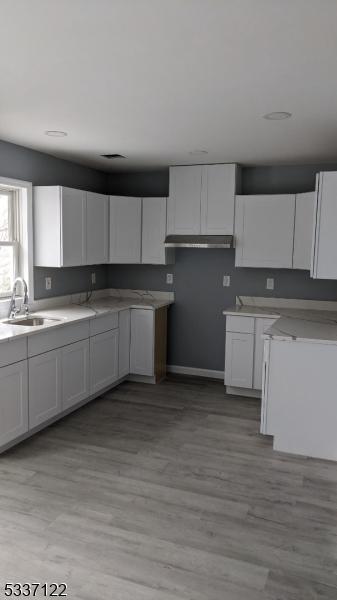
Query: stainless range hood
(199,241)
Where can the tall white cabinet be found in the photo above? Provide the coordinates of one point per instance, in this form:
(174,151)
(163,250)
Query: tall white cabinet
(201,199)
(324,249)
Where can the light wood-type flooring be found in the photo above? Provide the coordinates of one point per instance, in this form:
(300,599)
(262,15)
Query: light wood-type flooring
(168,492)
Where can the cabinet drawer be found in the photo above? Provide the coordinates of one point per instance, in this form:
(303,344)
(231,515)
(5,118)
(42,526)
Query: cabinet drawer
(240,324)
(58,337)
(102,324)
(13,351)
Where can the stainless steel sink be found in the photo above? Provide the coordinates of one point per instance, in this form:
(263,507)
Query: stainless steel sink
(31,321)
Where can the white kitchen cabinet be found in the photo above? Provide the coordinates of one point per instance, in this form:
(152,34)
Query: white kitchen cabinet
(184,202)
(13,401)
(59,226)
(324,250)
(103,360)
(124,343)
(75,373)
(218,190)
(239,360)
(45,387)
(304,221)
(154,232)
(97,245)
(125,229)
(261,325)
(142,342)
(264,231)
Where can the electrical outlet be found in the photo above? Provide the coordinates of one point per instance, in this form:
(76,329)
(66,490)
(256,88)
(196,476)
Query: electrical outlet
(270,283)
(169,278)
(93,278)
(48,283)
(226,280)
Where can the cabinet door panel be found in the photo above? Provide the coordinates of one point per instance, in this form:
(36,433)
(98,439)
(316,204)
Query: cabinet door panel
(324,263)
(217,199)
(75,373)
(103,360)
(73,227)
(264,231)
(261,325)
(124,343)
(97,229)
(142,342)
(45,387)
(125,229)
(304,221)
(184,202)
(153,231)
(13,401)
(239,360)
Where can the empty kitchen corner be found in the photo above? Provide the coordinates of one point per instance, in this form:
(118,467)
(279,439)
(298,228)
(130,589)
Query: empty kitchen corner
(168,300)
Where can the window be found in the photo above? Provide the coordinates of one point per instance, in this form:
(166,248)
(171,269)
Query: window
(9,239)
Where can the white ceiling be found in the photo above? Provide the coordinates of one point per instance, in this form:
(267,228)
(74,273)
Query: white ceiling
(155,79)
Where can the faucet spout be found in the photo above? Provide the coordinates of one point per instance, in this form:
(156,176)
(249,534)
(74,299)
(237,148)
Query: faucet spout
(13,311)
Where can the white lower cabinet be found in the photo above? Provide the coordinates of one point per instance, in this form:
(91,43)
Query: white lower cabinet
(239,359)
(13,401)
(103,360)
(124,343)
(261,325)
(142,342)
(75,373)
(45,387)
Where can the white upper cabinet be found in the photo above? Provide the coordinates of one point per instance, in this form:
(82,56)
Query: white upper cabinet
(70,227)
(97,229)
(217,199)
(154,233)
(324,250)
(125,229)
(183,209)
(304,220)
(264,231)
(202,200)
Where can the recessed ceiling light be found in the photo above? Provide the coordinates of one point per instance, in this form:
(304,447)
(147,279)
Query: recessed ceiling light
(112,156)
(56,133)
(277,116)
(196,152)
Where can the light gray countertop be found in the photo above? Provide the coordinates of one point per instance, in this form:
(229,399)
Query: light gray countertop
(71,313)
(298,324)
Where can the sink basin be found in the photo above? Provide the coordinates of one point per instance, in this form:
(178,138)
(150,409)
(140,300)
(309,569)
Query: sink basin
(31,321)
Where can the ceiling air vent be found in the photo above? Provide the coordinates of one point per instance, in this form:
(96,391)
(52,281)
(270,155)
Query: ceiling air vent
(111,156)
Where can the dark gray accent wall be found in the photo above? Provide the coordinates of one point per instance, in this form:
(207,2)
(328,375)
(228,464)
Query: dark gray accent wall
(196,324)
(70,280)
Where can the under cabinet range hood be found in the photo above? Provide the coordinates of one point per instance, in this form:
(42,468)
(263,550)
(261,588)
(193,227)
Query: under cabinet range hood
(199,241)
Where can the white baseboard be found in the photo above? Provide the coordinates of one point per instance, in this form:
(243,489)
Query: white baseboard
(196,372)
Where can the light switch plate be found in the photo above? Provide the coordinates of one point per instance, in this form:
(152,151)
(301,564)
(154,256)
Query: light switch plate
(270,283)
(169,278)
(226,280)
(48,283)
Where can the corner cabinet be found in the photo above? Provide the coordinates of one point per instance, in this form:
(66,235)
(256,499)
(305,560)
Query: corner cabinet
(70,227)
(324,249)
(201,199)
(125,229)
(148,343)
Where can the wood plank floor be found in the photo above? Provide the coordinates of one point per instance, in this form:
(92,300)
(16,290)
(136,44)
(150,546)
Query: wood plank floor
(168,492)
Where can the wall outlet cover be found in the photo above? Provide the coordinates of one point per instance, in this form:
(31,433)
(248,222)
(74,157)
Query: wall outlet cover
(226,280)
(169,278)
(48,283)
(270,283)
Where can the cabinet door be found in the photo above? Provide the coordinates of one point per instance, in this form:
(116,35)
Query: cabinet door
(73,227)
(217,199)
(261,325)
(124,343)
(97,229)
(45,387)
(103,360)
(154,231)
(239,359)
(125,229)
(264,231)
(13,401)
(184,202)
(324,259)
(304,221)
(75,373)
(142,342)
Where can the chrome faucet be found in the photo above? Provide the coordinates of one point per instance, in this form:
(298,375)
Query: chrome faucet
(13,311)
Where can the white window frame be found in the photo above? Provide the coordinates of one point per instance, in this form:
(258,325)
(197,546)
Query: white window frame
(26,242)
